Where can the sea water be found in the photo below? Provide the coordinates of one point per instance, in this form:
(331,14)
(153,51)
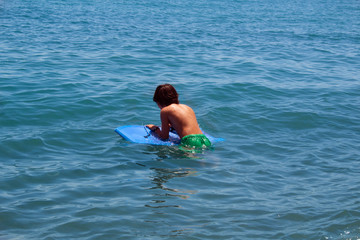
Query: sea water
(279,80)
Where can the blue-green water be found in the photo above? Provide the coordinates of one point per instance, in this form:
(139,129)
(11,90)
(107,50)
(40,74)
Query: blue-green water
(279,80)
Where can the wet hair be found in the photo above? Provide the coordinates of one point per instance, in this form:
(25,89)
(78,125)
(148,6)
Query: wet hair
(165,95)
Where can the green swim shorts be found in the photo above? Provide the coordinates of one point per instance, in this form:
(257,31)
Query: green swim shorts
(195,141)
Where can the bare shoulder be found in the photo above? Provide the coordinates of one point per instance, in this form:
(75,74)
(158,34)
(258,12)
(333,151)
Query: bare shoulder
(176,108)
(168,109)
(185,108)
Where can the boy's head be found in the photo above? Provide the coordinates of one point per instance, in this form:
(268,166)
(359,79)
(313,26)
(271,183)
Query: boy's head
(165,95)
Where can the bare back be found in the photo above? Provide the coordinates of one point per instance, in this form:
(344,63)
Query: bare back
(181,117)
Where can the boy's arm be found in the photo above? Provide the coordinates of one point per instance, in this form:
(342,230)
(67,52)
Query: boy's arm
(165,126)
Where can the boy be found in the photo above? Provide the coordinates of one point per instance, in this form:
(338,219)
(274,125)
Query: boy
(178,116)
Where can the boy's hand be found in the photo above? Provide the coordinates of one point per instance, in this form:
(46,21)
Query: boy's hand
(152,127)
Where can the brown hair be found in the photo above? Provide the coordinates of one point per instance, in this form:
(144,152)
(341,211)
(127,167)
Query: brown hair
(165,95)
